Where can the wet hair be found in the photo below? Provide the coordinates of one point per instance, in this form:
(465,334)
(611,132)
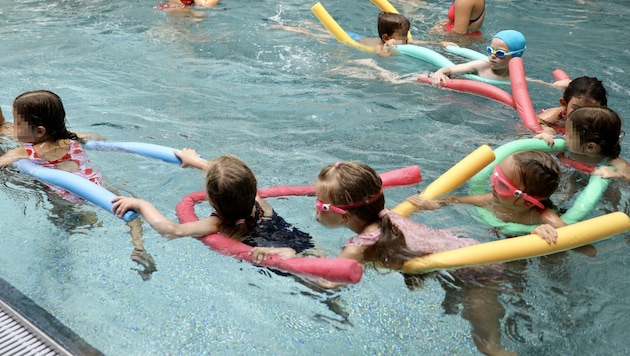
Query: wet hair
(586,87)
(599,125)
(539,173)
(231,188)
(389,22)
(351,182)
(44,108)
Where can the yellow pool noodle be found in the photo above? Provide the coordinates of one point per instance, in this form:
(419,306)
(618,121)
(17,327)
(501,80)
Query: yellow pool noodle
(333,27)
(453,178)
(527,246)
(384,5)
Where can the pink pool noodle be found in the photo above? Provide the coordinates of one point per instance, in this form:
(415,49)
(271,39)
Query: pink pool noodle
(475,87)
(522,100)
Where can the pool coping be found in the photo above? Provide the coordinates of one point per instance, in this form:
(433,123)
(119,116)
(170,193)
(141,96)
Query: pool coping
(34,321)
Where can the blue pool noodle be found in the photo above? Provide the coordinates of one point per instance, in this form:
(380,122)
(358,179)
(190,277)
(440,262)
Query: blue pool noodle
(145,149)
(73,183)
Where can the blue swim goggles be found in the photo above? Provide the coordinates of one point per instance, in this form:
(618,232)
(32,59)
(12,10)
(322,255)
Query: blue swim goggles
(499,53)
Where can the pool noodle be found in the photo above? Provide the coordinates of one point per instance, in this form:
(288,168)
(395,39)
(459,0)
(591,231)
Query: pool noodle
(475,87)
(75,184)
(396,178)
(145,149)
(333,269)
(528,246)
(333,27)
(559,74)
(457,175)
(522,100)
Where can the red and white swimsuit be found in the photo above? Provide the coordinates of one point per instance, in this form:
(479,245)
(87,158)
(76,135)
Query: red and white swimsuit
(75,154)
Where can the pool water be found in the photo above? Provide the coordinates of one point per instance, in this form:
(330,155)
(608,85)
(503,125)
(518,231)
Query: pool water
(288,105)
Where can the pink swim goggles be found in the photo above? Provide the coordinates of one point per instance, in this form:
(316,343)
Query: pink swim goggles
(323,207)
(505,188)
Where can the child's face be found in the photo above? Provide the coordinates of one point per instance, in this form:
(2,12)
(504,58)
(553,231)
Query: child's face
(503,188)
(572,138)
(398,36)
(328,218)
(22,130)
(577,102)
(496,62)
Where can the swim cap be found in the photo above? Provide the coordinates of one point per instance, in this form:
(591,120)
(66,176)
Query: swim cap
(514,40)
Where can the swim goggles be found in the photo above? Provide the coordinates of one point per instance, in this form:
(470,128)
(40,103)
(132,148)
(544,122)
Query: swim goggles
(323,207)
(499,53)
(504,187)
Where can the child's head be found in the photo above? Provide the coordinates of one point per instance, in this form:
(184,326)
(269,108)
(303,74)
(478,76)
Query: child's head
(583,91)
(39,116)
(392,25)
(594,131)
(231,187)
(525,178)
(348,189)
(507,44)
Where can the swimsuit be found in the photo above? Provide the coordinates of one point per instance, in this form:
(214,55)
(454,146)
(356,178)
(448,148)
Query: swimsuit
(451,20)
(75,154)
(274,231)
(422,239)
(571,163)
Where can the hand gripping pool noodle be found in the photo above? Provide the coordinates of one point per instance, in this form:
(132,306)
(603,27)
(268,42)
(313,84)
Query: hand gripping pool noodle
(474,87)
(523,103)
(73,183)
(451,179)
(333,27)
(333,269)
(145,149)
(517,248)
(438,60)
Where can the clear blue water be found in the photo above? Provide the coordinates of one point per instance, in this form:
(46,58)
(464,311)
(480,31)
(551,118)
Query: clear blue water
(277,99)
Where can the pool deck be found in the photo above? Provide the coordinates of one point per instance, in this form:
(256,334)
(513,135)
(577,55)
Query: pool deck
(28,329)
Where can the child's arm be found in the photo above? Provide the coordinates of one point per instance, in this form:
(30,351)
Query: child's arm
(160,223)
(12,156)
(469,67)
(207,3)
(261,253)
(622,169)
(190,158)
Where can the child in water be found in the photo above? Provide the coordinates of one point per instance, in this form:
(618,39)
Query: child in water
(40,126)
(504,46)
(582,91)
(593,136)
(239,212)
(350,195)
(521,186)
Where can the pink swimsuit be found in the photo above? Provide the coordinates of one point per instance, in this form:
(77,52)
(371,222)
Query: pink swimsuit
(76,155)
(425,240)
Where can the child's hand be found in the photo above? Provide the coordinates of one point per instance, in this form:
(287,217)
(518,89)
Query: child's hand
(439,78)
(547,137)
(261,253)
(422,203)
(124,204)
(188,156)
(547,233)
(447,43)
(606,172)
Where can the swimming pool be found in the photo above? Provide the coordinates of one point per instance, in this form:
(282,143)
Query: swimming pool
(227,85)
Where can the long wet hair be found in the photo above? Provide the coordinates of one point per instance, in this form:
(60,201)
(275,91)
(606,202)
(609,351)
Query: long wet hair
(351,182)
(231,188)
(44,108)
(599,125)
(586,87)
(539,173)
(389,22)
